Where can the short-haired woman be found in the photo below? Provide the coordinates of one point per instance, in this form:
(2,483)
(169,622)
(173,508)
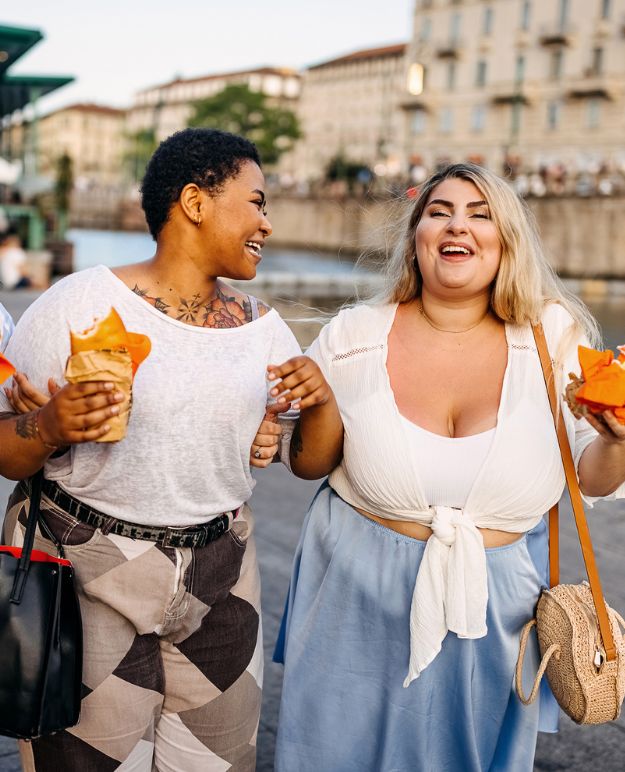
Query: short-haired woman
(156,525)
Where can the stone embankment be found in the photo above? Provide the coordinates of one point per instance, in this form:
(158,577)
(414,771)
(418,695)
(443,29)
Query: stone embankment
(581,235)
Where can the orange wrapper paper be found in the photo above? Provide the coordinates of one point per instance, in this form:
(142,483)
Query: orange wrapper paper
(6,369)
(107,352)
(603,381)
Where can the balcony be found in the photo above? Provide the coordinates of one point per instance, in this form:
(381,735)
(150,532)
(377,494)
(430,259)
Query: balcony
(512,93)
(448,49)
(420,102)
(594,85)
(557,34)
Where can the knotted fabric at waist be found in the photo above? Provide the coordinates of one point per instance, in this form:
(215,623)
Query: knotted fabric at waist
(451,591)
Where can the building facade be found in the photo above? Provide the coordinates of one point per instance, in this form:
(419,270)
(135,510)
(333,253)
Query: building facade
(92,135)
(350,107)
(166,108)
(520,85)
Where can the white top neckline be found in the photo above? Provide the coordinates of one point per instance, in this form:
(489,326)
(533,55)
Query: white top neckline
(423,430)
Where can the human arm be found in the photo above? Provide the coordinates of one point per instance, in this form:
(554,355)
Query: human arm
(317,441)
(76,413)
(601,468)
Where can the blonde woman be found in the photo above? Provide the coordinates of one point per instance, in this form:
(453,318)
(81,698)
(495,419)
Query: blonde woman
(426,551)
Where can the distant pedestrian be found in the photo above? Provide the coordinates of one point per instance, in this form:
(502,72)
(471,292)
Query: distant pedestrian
(425,553)
(157,526)
(13,270)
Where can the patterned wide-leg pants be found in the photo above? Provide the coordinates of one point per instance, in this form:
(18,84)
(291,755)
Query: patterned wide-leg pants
(172,670)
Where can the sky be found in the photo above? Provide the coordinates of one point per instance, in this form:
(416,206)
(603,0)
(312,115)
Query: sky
(117,47)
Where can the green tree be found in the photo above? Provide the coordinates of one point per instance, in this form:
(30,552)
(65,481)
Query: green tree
(141,145)
(63,186)
(242,111)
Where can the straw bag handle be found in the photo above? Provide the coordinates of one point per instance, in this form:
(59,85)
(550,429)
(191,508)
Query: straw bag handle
(576,501)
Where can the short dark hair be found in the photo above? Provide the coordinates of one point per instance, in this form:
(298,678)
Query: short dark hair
(207,157)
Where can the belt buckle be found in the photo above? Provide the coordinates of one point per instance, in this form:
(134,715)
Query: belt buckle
(177,537)
(172,537)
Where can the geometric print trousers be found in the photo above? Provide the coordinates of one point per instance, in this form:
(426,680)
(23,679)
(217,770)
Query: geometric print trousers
(173,658)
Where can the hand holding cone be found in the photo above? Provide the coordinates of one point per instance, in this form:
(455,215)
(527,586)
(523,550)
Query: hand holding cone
(107,352)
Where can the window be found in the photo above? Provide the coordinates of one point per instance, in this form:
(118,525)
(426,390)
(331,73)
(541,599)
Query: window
(487,21)
(451,76)
(447,120)
(478,117)
(606,7)
(416,79)
(597,61)
(526,12)
(555,67)
(480,74)
(593,113)
(417,124)
(553,114)
(454,27)
(519,69)
(426,30)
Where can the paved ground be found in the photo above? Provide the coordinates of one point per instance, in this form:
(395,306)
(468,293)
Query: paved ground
(280,502)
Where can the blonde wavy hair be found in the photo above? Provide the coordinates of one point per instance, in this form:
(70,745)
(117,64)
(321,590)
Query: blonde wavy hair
(525,282)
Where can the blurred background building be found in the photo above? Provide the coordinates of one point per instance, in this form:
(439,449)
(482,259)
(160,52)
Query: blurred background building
(349,110)
(167,108)
(526,87)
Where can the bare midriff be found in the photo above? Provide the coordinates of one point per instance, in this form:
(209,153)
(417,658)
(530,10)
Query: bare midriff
(491,536)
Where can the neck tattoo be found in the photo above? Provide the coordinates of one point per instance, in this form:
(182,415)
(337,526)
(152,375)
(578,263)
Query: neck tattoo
(454,332)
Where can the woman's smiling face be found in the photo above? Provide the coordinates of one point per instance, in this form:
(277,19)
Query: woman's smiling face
(236,227)
(457,243)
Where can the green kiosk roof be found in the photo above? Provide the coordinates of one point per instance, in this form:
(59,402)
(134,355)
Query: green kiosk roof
(16,91)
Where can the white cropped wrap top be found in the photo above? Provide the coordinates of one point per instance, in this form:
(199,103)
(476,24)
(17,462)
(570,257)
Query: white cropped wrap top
(520,479)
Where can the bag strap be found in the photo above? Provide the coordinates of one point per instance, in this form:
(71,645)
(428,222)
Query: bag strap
(576,500)
(23,565)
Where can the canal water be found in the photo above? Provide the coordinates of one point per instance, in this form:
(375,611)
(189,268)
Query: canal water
(113,248)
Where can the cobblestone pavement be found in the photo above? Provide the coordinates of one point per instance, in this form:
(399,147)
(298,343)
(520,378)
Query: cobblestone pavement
(279,504)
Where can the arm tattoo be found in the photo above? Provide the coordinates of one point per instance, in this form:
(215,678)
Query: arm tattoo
(297,444)
(26,426)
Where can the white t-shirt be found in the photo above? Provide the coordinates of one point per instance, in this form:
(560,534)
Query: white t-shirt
(198,400)
(12,262)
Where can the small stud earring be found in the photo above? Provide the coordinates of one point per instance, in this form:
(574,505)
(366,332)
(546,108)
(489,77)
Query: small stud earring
(198,222)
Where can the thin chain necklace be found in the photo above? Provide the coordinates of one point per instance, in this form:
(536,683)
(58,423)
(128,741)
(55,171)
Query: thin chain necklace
(454,332)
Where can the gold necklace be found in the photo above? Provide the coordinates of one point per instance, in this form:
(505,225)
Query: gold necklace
(442,329)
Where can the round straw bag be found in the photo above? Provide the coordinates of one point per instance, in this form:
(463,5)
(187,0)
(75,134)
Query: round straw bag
(588,687)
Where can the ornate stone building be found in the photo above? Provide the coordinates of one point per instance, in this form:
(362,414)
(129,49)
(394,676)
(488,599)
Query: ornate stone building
(349,106)
(537,82)
(166,108)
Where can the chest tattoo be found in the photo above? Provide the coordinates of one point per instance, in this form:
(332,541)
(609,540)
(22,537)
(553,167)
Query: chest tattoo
(221,312)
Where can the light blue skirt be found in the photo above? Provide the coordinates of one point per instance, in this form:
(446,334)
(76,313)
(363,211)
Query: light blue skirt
(345,643)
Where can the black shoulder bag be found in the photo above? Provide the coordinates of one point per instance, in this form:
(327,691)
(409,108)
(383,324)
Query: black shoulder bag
(40,636)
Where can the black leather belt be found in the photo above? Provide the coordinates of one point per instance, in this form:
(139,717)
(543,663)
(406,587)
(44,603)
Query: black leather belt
(191,536)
